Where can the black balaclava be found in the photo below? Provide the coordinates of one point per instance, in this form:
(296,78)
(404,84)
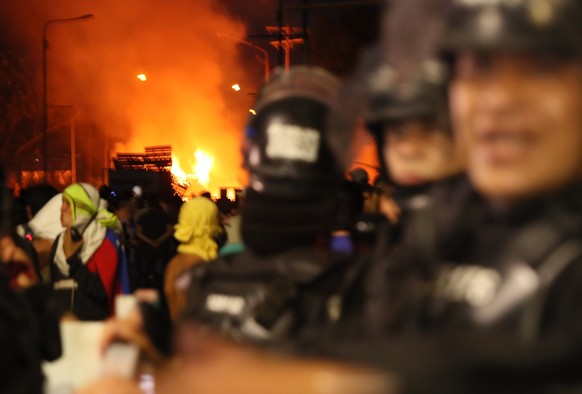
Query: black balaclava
(293,176)
(273,224)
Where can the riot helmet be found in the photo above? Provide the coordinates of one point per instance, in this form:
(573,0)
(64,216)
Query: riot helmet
(285,148)
(293,173)
(393,100)
(405,80)
(546,26)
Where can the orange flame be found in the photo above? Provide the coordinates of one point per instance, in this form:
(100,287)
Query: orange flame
(178,173)
(200,170)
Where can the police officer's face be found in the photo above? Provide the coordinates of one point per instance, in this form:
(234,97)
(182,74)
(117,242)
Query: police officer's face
(417,153)
(520,119)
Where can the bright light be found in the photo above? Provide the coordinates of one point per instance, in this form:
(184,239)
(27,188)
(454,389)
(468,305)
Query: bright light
(204,163)
(142,77)
(236,87)
(200,172)
(231,194)
(252,111)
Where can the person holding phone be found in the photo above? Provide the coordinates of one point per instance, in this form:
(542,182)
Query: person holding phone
(87,264)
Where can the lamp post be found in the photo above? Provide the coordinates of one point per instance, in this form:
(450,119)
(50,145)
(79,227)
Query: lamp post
(264,60)
(44,84)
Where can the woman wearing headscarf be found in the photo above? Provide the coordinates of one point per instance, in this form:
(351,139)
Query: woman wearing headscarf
(88,267)
(197,231)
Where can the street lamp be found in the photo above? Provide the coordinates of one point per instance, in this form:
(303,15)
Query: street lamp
(44,84)
(264,60)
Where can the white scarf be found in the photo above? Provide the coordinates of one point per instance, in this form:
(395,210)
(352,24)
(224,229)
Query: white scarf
(47,223)
(93,237)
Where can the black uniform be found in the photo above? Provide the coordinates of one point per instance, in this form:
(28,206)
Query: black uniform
(491,305)
(263,299)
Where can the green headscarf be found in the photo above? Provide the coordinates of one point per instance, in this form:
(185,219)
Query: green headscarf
(86,204)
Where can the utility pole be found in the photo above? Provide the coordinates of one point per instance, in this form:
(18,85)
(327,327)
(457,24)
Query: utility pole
(290,38)
(280,29)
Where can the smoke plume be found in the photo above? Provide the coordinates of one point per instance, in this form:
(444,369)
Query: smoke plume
(185,50)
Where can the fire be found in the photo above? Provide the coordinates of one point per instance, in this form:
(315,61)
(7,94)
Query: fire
(165,100)
(178,172)
(200,170)
(203,166)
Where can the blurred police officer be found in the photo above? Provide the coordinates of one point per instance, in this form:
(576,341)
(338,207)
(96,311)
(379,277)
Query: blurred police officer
(275,286)
(495,305)
(410,124)
(515,99)
(407,114)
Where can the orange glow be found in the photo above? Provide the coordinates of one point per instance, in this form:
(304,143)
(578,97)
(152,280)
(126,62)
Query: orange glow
(203,166)
(142,77)
(236,87)
(96,67)
(199,172)
(231,194)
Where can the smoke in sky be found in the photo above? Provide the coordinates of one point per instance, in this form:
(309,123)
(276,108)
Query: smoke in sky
(183,47)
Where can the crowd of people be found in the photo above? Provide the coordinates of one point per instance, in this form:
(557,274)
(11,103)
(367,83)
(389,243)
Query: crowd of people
(457,270)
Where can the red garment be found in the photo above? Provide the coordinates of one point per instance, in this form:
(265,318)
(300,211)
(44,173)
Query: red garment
(96,282)
(100,263)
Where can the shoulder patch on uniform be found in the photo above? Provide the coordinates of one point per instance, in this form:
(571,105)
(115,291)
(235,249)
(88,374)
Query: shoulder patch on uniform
(224,303)
(473,284)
